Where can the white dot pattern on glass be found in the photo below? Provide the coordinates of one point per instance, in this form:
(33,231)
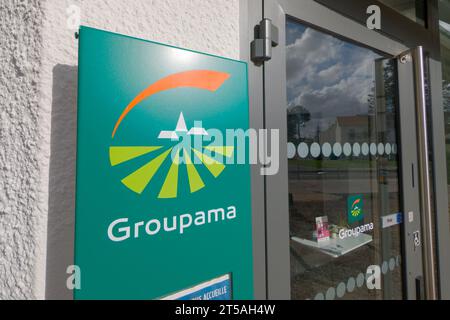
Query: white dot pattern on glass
(384,267)
(340,291)
(291,150)
(337,149)
(319,296)
(315,150)
(326,150)
(360,280)
(331,294)
(373,149)
(351,283)
(388,149)
(365,149)
(303,150)
(380,149)
(347,149)
(392,264)
(356,149)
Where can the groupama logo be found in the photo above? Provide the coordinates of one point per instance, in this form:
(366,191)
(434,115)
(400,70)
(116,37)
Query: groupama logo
(139,180)
(355,208)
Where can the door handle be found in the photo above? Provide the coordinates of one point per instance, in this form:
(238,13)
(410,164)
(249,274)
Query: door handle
(416,56)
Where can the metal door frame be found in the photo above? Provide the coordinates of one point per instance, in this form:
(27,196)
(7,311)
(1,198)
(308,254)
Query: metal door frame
(267,110)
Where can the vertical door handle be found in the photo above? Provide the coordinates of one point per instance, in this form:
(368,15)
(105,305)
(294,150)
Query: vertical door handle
(429,276)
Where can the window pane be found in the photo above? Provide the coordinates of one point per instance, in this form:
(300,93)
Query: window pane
(343,168)
(413,9)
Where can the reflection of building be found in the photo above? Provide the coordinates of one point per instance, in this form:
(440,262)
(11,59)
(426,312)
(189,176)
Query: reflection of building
(358,129)
(347,129)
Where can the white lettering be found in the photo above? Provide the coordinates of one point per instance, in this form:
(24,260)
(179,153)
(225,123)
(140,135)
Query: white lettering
(136,228)
(231,214)
(374,20)
(174,225)
(112,237)
(200,218)
(348,233)
(74,280)
(373,276)
(148,229)
(184,225)
(120,229)
(216,214)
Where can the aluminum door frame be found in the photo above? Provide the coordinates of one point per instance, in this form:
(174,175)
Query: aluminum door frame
(271,223)
(250,14)
(412,34)
(440,187)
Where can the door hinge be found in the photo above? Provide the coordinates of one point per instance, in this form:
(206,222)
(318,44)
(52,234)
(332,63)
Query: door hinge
(266,37)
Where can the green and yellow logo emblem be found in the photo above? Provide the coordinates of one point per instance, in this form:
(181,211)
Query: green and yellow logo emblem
(179,154)
(355,208)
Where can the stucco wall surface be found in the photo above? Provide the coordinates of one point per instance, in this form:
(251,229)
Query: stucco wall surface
(22,191)
(38,95)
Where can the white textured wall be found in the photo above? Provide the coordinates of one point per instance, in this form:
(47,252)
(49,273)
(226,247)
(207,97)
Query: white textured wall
(22,190)
(38,118)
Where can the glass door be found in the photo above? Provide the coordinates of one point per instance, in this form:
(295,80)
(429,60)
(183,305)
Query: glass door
(343,214)
(343,168)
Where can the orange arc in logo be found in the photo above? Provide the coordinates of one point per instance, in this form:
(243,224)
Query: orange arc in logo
(356,202)
(202,79)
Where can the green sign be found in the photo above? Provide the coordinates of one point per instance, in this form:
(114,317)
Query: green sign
(160,205)
(355,208)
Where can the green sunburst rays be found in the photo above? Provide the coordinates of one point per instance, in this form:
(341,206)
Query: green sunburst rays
(139,180)
(214,166)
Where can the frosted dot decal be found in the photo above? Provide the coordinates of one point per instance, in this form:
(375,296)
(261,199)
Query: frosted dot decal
(291,150)
(315,150)
(319,296)
(365,149)
(340,291)
(356,149)
(388,149)
(380,149)
(384,267)
(398,261)
(326,150)
(373,149)
(337,149)
(331,294)
(392,264)
(351,283)
(394,148)
(360,280)
(347,149)
(303,150)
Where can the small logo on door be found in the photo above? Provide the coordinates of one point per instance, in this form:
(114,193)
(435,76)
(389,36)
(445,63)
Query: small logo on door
(355,208)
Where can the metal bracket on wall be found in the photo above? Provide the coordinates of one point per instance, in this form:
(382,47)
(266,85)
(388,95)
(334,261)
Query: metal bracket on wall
(266,37)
